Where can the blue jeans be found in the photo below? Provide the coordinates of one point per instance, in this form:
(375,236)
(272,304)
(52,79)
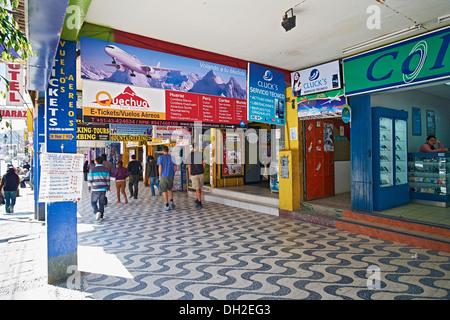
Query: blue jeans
(10,199)
(154,181)
(98,196)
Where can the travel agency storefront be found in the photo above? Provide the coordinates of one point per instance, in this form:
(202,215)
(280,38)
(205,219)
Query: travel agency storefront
(133,81)
(396,95)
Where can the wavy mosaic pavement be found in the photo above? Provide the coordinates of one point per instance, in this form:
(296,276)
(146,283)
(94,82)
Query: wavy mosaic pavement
(228,253)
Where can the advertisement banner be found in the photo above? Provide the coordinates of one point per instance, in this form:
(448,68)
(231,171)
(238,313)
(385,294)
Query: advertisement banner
(232,154)
(410,62)
(135,130)
(173,133)
(61,101)
(192,90)
(324,77)
(92,132)
(265,95)
(322,105)
(119,103)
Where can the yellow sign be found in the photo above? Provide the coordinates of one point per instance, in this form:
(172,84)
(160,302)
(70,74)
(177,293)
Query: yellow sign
(61,136)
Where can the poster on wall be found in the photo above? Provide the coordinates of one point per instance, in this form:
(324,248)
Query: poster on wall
(61,177)
(328,104)
(266,100)
(192,90)
(232,154)
(431,123)
(324,77)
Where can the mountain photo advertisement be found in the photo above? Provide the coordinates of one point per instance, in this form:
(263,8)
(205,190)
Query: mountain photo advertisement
(194,90)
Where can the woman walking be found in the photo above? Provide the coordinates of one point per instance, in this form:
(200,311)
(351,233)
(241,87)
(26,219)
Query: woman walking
(121,175)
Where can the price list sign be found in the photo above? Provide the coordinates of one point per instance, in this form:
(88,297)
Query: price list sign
(61,177)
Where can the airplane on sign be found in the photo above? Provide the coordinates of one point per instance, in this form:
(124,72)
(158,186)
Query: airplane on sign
(330,99)
(132,63)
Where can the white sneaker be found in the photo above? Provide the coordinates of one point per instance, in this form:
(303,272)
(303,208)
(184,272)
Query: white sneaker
(11,209)
(98,216)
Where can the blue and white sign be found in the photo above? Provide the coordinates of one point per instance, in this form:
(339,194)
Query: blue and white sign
(266,99)
(324,77)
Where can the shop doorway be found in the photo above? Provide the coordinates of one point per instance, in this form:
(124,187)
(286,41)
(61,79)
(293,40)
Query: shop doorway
(327,159)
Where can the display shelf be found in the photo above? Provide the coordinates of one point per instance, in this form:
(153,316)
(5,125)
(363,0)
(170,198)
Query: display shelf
(386,172)
(390,167)
(428,176)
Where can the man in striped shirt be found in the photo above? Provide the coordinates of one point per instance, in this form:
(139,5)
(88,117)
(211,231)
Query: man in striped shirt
(98,184)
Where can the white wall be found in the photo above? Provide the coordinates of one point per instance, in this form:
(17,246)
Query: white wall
(342,177)
(414,98)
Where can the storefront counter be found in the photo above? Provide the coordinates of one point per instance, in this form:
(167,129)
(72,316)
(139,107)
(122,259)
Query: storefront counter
(429,176)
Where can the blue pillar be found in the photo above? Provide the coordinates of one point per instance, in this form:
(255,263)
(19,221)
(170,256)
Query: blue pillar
(60,118)
(38,140)
(361,153)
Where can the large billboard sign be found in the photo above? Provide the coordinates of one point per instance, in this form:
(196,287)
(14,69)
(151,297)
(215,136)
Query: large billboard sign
(417,60)
(170,89)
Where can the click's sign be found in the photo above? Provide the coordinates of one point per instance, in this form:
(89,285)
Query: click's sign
(417,60)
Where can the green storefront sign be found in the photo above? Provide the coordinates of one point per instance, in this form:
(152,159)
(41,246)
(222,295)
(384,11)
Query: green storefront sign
(420,59)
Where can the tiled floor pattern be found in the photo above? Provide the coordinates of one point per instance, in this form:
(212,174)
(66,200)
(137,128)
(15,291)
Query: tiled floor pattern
(222,252)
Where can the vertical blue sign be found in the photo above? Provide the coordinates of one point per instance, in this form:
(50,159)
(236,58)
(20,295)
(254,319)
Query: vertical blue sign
(266,100)
(61,101)
(60,125)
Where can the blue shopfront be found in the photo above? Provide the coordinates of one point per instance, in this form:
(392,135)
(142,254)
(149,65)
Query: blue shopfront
(399,95)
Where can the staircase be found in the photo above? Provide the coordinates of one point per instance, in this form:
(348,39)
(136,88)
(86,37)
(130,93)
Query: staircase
(243,200)
(395,229)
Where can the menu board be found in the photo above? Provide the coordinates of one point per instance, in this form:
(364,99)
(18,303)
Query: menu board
(61,177)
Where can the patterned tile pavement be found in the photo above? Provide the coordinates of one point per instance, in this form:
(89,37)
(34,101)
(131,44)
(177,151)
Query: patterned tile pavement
(227,253)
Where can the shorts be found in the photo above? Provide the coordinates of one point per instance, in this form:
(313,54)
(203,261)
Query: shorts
(165,184)
(197,181)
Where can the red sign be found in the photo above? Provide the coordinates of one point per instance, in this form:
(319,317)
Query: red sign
(13,113)
(14,75)
(191,107)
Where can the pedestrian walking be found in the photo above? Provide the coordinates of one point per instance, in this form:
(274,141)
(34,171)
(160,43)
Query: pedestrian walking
(153,175)
(196,169)
(135,169)
(98,184)
(10,183)
(121,174)
(166,170)
(108,165)
(86,170)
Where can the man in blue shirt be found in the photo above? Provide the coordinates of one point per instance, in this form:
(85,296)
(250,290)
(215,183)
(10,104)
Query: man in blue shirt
(166,173)
(98,184)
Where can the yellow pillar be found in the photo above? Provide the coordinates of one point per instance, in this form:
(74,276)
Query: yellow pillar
(290,185)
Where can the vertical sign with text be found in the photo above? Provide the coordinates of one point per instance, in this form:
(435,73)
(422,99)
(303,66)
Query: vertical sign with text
(61,101)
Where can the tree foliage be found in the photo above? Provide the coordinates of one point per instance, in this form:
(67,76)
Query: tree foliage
(10,35)
(14,45)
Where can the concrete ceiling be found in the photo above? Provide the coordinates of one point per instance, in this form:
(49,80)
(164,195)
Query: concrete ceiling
(251,29)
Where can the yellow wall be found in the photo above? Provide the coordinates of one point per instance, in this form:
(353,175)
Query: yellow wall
(291,189)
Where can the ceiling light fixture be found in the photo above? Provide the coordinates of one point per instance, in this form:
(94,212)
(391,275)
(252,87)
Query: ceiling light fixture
(383,38)
(288,22)
(443,18)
